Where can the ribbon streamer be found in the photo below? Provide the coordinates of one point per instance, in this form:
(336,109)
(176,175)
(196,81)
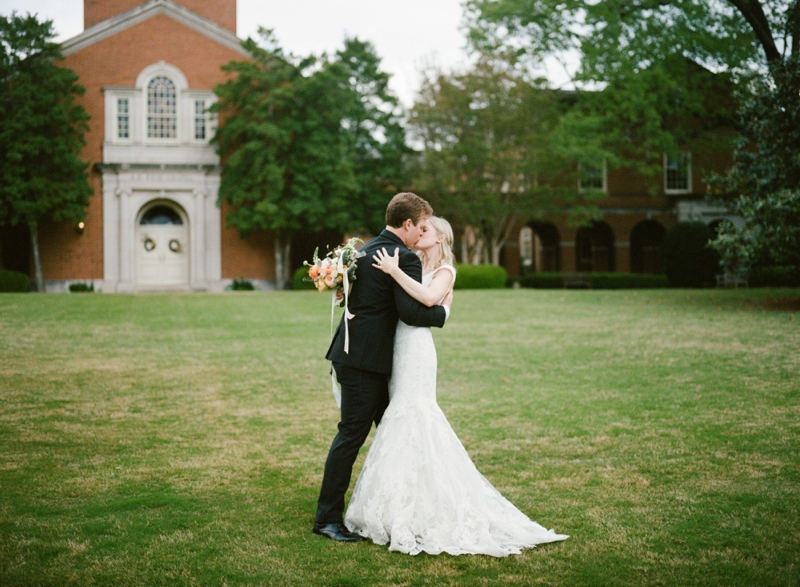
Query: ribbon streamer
(347,314)
(347,317)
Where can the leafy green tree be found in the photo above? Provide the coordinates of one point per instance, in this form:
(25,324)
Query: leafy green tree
(618,38)
(41,134)
(763,185)
(284,147)
(309,144)
(377,140)
(487,160)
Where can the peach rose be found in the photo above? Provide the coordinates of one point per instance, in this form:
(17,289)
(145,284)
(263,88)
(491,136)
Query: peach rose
(313,271)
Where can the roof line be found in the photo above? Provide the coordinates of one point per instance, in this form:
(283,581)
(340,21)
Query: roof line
(149,9)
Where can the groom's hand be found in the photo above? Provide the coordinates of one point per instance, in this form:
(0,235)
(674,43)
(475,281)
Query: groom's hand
(448,301)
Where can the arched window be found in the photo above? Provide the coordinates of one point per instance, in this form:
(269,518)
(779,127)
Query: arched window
(594,248)
(161,215)
(646,243)
(546,246)
(162,111)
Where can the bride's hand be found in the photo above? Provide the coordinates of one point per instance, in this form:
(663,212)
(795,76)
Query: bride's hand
(385,262)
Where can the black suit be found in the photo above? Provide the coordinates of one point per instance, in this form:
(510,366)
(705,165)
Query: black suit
(377,302)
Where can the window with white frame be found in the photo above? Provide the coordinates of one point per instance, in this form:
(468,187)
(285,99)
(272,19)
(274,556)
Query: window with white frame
(162,108)
(592,176)
(123,118)
(678,173)
(526,246)
(200,120)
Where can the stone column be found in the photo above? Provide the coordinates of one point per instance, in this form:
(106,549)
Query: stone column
(126,231)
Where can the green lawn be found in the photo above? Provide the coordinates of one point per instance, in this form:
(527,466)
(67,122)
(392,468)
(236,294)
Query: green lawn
(179,439)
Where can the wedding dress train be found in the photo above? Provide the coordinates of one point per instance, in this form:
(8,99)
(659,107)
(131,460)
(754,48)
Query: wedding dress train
(419,490)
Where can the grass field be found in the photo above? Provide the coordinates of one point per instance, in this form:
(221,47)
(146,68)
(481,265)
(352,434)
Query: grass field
(179,439)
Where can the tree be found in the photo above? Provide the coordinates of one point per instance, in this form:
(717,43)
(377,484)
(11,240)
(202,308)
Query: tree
(763,185)
(377,137)
(284,147)
(618,38)
(487,161)
(307,143)
(42,132)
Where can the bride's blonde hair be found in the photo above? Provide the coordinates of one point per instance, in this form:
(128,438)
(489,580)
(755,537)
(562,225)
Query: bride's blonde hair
(443,229)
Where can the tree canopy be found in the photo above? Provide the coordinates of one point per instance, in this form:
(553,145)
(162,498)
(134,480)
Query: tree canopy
(42,131)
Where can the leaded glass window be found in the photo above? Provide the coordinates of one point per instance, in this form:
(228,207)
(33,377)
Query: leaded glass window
(123,118)
(162,110)
(200,119)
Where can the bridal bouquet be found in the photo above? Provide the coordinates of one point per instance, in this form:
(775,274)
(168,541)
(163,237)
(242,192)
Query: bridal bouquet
(337,268)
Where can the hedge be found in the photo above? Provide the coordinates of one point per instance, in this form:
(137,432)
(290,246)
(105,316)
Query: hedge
(597,280)
(14,281)
(298,279)
(480,277)
(785,276)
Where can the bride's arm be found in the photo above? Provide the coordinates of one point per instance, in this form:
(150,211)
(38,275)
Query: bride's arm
(428,296)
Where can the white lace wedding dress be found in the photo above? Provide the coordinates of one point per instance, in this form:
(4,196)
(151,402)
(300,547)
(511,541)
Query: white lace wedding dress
(418,490)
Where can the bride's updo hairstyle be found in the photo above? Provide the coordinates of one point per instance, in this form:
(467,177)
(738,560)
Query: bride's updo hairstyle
(443,229)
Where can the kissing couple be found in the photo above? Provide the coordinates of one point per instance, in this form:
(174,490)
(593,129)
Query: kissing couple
(418,490)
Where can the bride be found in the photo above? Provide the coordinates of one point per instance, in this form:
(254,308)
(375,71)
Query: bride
(418,490)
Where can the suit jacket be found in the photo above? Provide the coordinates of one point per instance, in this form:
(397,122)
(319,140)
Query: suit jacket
(378,302)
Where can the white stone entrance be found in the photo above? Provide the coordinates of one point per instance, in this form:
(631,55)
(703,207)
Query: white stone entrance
(190,193)
(162,246)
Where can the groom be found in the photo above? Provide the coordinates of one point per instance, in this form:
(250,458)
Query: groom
(376,303)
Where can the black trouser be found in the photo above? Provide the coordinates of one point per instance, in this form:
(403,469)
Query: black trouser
(365,396)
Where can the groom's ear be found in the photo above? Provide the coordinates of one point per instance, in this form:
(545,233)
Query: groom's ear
(407,224)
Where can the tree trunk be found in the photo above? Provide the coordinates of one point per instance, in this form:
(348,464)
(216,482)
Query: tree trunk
(283,247)
(37,260)
(496,248)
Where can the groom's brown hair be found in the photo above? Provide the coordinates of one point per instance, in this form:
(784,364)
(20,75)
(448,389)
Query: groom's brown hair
(406,205)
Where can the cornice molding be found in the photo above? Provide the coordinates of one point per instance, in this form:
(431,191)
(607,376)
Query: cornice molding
(149,9)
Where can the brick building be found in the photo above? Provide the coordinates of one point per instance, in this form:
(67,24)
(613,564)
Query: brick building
(149,69)
(630,235)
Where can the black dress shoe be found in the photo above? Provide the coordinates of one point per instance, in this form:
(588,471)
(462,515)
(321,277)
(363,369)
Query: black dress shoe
(337,532)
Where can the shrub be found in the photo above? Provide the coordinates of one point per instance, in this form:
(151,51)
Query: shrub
(298,280)
(81,287)
(782,276)
(480,277)
(241,285)
(598,280)
(688,260)
(14,281)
